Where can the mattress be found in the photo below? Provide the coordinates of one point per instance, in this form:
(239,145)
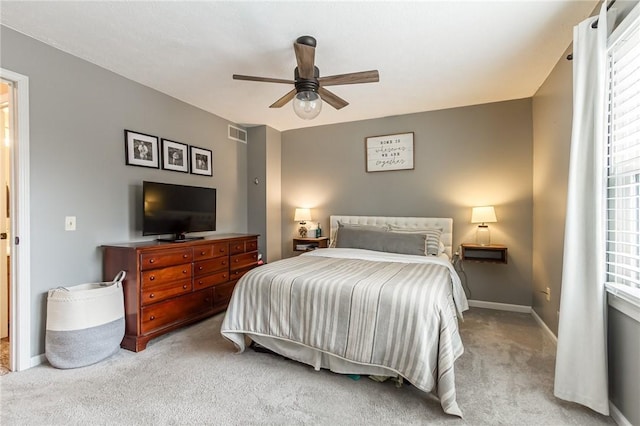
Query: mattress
(356,312)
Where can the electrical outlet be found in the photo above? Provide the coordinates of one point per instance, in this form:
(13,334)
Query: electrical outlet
(548,293)
(70,223)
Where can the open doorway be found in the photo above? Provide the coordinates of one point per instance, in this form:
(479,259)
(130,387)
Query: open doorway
(15,250)
(6,139)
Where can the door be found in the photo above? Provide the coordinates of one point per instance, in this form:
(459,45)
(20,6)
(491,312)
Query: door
(5,222)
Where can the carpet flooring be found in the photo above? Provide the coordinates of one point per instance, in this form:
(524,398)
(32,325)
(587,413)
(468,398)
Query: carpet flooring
(193,377)
(4,356)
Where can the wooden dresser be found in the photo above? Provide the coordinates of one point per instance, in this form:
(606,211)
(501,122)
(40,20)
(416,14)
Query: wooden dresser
(169,285)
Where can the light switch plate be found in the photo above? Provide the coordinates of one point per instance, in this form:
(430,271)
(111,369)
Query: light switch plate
(70,223)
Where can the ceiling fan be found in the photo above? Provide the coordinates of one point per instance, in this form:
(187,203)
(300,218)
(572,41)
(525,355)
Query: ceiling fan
(309,88)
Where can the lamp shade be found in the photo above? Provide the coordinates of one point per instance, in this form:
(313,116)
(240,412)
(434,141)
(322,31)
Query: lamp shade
(307,104)
(302,215)
(483,214)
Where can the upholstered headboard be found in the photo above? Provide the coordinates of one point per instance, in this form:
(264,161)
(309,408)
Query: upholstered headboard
(409,222)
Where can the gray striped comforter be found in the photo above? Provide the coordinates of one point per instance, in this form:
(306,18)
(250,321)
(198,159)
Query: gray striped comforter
(365,307)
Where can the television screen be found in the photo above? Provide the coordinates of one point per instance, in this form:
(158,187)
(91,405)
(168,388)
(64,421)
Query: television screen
(177,209)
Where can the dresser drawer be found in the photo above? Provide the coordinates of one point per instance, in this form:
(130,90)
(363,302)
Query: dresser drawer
(222,293)
(165,258)
(155,294)
(251,245)
(164,275)
(238,273)
(210,251)
(240,261)
(205,267)
(210,280)
(243,246)
(176,310)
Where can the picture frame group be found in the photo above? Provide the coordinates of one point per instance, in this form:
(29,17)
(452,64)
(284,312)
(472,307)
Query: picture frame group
(145,150)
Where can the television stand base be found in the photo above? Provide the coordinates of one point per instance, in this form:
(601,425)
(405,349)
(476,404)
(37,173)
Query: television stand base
(179,240)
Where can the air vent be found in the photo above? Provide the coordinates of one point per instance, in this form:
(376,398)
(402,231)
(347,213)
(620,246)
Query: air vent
(237,134)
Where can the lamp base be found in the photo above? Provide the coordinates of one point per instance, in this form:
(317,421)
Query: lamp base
(483,236)
(302,231)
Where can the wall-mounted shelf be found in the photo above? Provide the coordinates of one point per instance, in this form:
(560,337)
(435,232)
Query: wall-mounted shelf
(494,253)
(307,244)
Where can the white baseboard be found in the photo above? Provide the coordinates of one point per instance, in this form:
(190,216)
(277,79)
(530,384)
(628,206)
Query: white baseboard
(38,359)
(514,308)
(617,416)
(544,326)
(500,306)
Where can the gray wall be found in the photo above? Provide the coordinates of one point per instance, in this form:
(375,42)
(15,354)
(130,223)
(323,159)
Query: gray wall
(264,164)
(78,113)
(273,182)
(257,193)
(552,117)
(464,157)
(624,365)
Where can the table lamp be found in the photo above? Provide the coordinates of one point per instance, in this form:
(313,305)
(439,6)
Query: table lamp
(302,216)
(482,215)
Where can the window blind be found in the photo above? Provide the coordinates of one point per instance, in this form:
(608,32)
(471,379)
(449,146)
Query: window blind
(623,160)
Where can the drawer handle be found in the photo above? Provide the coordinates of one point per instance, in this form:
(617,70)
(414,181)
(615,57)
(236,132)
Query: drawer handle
(224,262)
(255,256)
(151,296)
(222,250)
(224,276)
(200,268)
(152,277)
(236,260)
(152,317)
(184,271)
(206,299)
(184,256)
(152,261)
(199,282)
(184,286)
(202,253)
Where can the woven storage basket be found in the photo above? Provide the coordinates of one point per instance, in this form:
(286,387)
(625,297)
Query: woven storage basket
(85,323)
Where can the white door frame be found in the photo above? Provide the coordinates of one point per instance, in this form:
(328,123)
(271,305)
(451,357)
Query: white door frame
(20,285)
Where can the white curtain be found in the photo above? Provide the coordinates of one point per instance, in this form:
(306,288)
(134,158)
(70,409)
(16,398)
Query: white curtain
(581,359)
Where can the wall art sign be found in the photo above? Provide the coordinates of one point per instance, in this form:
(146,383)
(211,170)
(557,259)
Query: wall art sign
(389,152)
(175,156)
(141,150)
(201,161)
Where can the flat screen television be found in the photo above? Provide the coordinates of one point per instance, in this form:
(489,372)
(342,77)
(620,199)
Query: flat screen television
(177,210)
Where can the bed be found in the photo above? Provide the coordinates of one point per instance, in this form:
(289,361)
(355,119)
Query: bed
(382,300)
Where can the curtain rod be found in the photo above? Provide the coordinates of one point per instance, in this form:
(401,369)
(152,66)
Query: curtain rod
(594,25)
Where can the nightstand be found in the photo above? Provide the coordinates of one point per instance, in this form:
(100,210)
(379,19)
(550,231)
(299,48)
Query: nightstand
(494,253)
(307,244)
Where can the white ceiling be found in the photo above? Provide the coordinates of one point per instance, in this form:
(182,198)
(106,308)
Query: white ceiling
(430,54)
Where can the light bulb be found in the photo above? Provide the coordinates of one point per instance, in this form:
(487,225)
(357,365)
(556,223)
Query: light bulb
(307,104)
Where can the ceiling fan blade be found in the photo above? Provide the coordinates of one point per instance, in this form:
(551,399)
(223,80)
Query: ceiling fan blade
(284,100)
(264,79)
(332,99)
(351,78)
(305,56)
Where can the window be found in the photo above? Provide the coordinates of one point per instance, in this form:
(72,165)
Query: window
(623,156)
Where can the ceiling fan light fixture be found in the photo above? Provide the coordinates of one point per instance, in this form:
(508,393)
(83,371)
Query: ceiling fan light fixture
(307,104)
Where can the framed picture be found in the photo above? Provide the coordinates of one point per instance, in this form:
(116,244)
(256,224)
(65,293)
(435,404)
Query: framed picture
(389,152)
(201,161)
(175,156)
(141,150)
